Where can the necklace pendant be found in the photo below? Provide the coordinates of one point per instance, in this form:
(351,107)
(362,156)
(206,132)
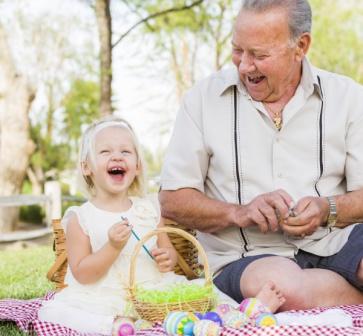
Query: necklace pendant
(278,122)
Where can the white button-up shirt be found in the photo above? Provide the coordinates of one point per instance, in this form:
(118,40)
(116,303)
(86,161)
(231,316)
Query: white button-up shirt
(225,145)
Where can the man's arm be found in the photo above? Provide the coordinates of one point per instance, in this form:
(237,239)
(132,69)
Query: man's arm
(193,209)
(349,208)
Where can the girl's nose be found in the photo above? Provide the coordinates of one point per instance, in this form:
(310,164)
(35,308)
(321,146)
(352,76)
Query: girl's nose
(117,156)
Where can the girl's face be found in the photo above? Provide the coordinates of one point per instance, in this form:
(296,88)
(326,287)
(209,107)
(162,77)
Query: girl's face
(115,162)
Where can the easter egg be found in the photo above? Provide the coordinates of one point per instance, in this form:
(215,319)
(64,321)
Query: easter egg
(265,320)
(175,321)
(235,319)
(223,309)
(143,324)
(199,315)
(253,307)
(193,316)
(206,328)
(126,329)
(213,316)
(188,329)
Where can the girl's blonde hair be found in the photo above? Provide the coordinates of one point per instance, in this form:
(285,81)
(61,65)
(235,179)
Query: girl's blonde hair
(87,153)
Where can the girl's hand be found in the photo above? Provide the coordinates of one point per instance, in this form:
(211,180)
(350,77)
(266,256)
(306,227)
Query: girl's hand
(119,234)
(165,257)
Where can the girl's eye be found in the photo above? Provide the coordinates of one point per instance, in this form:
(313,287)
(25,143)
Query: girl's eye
(104,151)
(126,152)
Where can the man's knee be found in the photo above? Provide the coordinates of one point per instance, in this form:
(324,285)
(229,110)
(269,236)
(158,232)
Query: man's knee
(360,272)
(287,276)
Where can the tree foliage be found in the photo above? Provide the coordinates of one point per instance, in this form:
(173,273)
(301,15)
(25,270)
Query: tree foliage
(338,37)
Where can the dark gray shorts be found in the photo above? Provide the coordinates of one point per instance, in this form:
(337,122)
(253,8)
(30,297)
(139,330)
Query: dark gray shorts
(345,263)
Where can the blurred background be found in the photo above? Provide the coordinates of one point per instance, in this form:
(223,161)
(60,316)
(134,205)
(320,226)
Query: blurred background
(64,63)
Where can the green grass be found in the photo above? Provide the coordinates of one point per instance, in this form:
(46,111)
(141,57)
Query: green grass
(23,276)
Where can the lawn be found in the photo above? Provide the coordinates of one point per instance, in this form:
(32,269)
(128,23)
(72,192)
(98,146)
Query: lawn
(23,276)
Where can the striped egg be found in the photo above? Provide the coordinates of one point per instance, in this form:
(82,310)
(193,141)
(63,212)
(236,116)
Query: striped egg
(253,307)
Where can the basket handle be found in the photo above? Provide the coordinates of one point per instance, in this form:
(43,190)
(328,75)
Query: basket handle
(184,234)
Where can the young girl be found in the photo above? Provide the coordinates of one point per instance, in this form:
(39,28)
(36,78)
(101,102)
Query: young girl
(99,237)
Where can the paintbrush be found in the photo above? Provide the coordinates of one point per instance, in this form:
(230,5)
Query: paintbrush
(138,238)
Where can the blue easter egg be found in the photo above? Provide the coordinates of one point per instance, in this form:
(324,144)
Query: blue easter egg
(213,316)
(188,329)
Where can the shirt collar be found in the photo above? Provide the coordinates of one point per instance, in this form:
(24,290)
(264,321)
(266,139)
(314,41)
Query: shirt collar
(309,80)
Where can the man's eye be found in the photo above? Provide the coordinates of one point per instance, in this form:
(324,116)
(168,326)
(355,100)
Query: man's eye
(261,57)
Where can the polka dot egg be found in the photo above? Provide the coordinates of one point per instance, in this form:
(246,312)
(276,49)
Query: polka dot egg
(235,319)
(223,309)
(206,328)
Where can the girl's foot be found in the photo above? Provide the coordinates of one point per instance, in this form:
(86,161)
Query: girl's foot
(271,296)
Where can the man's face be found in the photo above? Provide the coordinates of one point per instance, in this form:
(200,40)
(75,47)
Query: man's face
(268,62)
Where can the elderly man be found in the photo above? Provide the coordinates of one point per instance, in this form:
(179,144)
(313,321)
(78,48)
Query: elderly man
(266,162)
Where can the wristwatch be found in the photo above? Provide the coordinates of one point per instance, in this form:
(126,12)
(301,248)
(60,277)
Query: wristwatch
(332,218)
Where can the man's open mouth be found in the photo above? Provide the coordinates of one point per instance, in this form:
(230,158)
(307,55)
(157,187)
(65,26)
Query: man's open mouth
(255,79)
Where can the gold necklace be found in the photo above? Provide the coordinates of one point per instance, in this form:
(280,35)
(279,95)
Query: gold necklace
(276,117)
(277,120)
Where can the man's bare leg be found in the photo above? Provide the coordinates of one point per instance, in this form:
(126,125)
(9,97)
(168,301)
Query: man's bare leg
(302,289)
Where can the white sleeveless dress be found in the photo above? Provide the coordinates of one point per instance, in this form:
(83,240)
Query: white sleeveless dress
(92,307)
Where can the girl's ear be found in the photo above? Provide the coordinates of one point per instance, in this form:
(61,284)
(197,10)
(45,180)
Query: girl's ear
(86,170)
(138,168)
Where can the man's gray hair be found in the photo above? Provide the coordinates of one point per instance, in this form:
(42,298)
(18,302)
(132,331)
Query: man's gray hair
(299,12)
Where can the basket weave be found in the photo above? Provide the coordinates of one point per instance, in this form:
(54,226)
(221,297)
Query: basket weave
(157,311)
(188,263)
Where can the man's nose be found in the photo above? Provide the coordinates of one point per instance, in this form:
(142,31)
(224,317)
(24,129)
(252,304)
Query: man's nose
(246,64)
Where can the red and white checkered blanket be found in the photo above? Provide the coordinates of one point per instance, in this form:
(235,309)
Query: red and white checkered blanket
(25,314)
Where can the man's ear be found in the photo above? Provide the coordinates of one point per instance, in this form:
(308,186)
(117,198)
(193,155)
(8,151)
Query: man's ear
(302,46)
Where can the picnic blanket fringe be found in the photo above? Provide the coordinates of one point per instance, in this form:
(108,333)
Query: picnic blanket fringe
(25,314)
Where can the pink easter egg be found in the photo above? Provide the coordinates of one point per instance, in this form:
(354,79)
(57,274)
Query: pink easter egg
(126,329)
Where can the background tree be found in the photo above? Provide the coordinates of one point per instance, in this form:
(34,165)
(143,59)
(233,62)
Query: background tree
(15,145)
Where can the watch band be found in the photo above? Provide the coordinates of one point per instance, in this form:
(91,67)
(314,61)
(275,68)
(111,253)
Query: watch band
(332,218)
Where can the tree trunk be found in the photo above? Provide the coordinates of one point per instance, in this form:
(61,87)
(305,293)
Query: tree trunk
(15,143)
(103,15)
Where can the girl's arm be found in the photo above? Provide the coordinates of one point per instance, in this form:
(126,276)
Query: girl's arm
(165,254)
(86,266)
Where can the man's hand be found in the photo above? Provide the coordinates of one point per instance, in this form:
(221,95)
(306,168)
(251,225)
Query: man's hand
(165,257)
(119,234)
(310,213)
(267,210)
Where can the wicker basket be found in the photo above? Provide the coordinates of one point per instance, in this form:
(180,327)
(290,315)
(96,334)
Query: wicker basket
(58,271)
(158,311)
